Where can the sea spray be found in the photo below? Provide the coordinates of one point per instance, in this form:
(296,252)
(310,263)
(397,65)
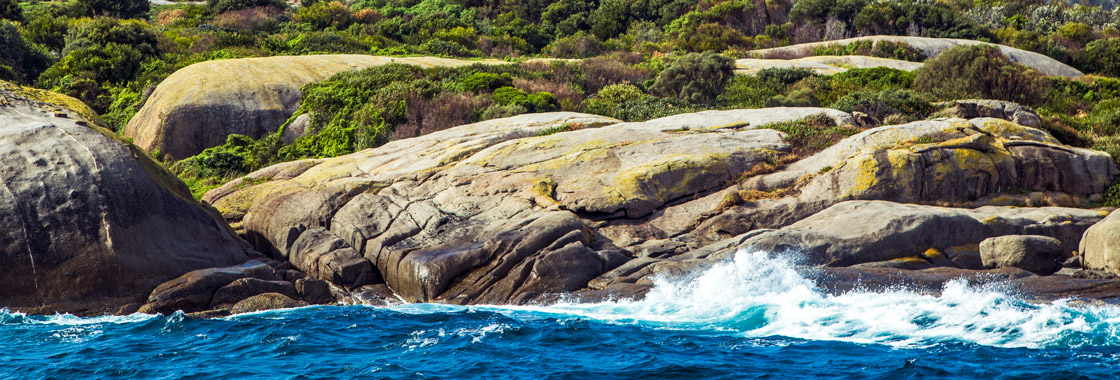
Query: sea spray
(758,294)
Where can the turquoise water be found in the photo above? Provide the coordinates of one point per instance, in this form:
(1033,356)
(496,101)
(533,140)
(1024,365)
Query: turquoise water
(754,317)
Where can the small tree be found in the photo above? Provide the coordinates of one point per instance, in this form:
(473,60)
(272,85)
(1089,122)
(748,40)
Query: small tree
(980,71)
(696,78)
(117,8)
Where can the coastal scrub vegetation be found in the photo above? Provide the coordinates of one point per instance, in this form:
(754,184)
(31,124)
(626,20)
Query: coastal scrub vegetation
(639,60)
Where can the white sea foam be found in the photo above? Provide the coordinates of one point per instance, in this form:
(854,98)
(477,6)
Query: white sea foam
(759,295)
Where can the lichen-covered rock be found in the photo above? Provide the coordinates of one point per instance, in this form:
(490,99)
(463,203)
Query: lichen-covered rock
(1040,255)
(931,47)
(947,161)
(92,224)
(490,212)
(198,106)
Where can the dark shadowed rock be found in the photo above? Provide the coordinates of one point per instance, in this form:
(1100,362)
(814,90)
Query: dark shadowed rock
(243,288)
(194,291)
(92,224)
(1040,255)
(266,301)
(316,292)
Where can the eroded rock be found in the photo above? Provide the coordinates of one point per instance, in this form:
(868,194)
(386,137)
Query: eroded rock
(1040,255)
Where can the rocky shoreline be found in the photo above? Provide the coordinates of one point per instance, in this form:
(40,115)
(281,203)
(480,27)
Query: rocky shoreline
(535,207)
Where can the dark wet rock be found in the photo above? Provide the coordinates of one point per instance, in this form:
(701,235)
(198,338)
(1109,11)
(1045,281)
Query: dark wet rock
(243,288)
(266,301)
(317,292)
(1040,255)
(194,291)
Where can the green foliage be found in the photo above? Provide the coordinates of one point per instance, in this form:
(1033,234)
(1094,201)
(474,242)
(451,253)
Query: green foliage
(324,14)
(783,76)
(883,49)
(695,78)
(478,82)
(812,134)
(1105,56)
(907,104)
(876,78)
(10,10)
(117,8)
(24,61)
(221,6)
(979,71)
(609,98)
(82,71)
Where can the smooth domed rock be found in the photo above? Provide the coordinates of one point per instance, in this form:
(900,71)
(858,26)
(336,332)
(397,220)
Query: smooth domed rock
(194,291)
(92,224)
(198,106)
(266,301)
(931,47)
(1040,255)
(1100,246)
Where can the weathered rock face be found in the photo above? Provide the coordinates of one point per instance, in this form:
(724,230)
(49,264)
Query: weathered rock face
(197,107)
(931,47)
(1100,246)
(92,224)
(1036,254)
(493,213)
(490,213)
(946,161)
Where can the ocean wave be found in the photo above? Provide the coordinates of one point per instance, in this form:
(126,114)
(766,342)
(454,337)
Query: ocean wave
(758,294)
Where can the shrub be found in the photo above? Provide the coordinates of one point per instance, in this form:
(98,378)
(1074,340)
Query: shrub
(478,82)
(979,71)
(876,78)
(222,6)
(600,71)
(10,10)
(23,60)
(498,111)
(695,78)
(117,8)
(103,31)
(579,45)
(784,76)
(325,14)
(610,97)
(799,98)
(812,134)
(1104,56)
(882,104)
(247,20)
(650,107)
(82,71)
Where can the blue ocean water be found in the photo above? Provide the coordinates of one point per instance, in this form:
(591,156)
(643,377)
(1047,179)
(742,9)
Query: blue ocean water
(753,317)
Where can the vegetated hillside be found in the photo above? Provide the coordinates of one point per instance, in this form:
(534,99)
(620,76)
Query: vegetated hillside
(640,60)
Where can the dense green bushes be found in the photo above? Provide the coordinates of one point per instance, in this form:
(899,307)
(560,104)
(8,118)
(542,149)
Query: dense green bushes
(117,8)
(19,61)
(979,71)
(694,78)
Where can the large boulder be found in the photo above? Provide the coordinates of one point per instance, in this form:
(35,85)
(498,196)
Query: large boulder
(194,291)
(1036,254)
(492,212)
(1100,247)
(198,106)
(92,224)
(929,47)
